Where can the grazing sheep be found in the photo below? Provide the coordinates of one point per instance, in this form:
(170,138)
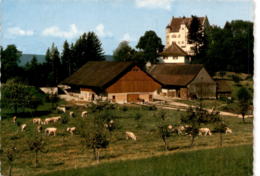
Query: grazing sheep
(14,119)
(52,119)
(39,128)
(50,130)
(37,120)
(169,127)
(71,130)
(205,131)
(228,130)
(130,135)
(84,113)
(71,114)
(62,109)
(23,127)
(181,130)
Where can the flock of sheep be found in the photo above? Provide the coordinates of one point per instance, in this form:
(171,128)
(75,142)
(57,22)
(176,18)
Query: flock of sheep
(53,130)
(182,130)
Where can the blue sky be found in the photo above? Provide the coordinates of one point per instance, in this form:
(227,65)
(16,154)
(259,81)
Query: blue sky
(33,25)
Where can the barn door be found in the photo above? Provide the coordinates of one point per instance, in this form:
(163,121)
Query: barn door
(133,98)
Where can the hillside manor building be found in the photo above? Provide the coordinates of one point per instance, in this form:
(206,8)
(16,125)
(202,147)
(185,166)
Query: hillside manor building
(177,48)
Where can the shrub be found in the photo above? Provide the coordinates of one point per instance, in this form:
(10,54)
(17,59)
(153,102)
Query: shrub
(137,116)
(64,119)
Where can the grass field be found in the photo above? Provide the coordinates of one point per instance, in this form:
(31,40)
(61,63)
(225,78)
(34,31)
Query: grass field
(67,152)
(219,162)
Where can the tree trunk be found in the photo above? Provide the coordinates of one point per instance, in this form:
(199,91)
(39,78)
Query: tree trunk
(243,117)
(221,139)
(10,170)
(192,140)
(36,159)
(165,144)
(96,154)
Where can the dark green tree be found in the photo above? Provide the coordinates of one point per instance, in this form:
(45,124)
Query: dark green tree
(10,57)
(87,48)
(151,45)
(66,60)
(32,72)
(53,66)
(16,95)
(244,100)
(196,35)
(123,52)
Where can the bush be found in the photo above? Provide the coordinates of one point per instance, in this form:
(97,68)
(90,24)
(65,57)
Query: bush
(236,78)
(64,119)
(137,116)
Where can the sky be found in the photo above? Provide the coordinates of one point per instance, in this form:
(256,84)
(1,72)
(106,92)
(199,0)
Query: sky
(33,25)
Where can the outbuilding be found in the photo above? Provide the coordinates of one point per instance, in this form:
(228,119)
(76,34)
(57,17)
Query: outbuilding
(186,81)
(120,82)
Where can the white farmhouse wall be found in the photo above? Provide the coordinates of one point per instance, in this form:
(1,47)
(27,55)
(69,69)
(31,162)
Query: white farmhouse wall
(171,59)
(180,38)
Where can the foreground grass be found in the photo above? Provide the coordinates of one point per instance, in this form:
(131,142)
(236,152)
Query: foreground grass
(236,160)
(66,152)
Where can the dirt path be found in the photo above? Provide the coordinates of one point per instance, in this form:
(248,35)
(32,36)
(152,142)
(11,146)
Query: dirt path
(169,103)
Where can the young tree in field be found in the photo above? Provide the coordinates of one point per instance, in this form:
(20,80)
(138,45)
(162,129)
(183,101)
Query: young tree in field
(36,144)
(244,99)
(9,153)
(10,57)
(194,118)
(164,131)
(123,52)
(94,135)
(151,45)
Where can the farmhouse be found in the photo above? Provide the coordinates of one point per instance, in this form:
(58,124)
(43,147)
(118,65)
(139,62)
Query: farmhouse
(119,82)
(174,54)
(184,80)
(178,29)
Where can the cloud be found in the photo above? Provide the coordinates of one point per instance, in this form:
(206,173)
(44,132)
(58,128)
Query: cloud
(152,4)
(19,31)
(127,37)
(55,31)
(100,30)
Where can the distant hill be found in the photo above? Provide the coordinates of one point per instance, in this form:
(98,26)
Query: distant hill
(41,58)
(28,57)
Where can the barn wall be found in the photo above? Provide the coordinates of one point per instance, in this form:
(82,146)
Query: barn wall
(134,81)
(203,86)
(130,97)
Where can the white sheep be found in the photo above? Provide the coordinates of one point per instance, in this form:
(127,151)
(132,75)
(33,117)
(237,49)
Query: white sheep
(51,130)
(37,120)
(84,113)
(228,130)
(52,119)
(23,127)
(14,119)
(62,109)
(71,130)
(39,128)
(71,114)
(205,131)
(130,135)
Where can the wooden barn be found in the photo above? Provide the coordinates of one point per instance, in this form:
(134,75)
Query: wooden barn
(223,88)
(119,82)
(186,81)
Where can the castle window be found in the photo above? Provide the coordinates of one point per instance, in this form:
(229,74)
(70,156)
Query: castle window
(179,35)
